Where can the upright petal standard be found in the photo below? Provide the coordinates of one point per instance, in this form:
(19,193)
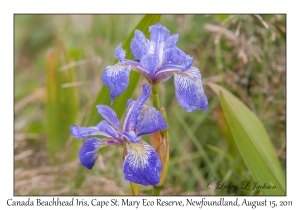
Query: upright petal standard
(157,60)
(141,164)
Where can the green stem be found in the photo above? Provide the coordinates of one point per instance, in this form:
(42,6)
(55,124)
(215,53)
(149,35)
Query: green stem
(156,190)
(155,90)
(134,188)
(163,135)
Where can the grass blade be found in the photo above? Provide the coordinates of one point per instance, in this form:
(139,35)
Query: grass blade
(62,104)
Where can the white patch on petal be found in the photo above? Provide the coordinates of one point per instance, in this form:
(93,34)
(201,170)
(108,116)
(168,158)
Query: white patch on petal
(138,154)
(157,48)
(126,122)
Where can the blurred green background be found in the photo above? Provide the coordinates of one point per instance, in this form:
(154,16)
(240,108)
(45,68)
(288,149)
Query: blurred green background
(59,60)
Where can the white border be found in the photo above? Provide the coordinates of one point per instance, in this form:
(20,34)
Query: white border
(8,8)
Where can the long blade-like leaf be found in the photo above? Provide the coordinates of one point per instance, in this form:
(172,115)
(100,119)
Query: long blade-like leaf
(62,104)
(253,142)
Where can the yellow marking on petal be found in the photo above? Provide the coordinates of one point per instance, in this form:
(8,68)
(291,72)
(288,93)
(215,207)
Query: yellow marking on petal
(138,154)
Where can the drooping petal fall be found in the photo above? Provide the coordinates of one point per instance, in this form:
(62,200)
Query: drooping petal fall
(116,78)
(150,121)
(141,164)
(89,151)
(189,91)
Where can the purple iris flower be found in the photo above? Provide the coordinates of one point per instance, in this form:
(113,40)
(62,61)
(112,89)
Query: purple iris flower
(157,60)
(141,164)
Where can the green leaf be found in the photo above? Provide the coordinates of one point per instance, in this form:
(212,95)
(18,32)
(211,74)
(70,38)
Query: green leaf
(62,105)
(119,105)
(252,141)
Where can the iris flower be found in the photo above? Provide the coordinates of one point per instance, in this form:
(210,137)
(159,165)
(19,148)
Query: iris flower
(157,60)
(141,163)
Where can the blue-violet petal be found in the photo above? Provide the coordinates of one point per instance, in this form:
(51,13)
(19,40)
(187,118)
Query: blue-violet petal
(158,36)
(139,45)
(89,151)
(174,56)
(150,63)
(109,130)
(189,91)
(142,164)
(150,121)
(109,115)
(120,53)
(81,132)
(116,78)
(131,136)
(133,111)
